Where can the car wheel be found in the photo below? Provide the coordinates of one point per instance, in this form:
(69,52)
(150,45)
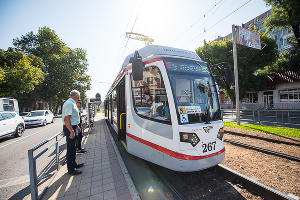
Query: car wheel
(19,130)
(52,120)
(45,123)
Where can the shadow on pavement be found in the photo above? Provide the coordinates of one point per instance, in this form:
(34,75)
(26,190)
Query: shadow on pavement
(46,175)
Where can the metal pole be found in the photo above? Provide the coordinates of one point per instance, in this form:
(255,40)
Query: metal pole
(33,176)
(236,75)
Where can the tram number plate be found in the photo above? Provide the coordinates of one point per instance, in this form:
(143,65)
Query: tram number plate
(209,146)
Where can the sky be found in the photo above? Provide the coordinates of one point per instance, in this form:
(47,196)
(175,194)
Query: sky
(99,26)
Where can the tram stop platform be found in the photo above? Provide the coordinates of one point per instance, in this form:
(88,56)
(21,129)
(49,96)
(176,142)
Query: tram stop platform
(104,174)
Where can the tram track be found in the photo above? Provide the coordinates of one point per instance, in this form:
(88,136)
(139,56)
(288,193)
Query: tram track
(264,138)
(274,153)
(218,182)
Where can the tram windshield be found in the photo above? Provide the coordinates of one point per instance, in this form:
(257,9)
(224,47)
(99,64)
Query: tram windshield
(194,91)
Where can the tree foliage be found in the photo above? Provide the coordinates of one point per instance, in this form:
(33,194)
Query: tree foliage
(249,62)
(98,96)
(285,14)
(19,74)
(65,68)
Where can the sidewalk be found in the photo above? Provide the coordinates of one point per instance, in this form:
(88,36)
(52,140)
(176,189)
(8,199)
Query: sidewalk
(104,175)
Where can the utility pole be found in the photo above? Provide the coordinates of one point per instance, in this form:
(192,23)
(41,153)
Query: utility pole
(236,76)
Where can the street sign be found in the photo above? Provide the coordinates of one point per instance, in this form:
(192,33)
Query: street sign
(248,38)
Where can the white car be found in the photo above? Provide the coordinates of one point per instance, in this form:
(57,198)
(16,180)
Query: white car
(11,124)
(39,117)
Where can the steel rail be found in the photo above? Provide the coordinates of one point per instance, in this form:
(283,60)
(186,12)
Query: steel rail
(262,138)
(263,150)
(266,191)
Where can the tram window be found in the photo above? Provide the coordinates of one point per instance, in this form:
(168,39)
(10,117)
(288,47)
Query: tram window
(114,105)
(149,96)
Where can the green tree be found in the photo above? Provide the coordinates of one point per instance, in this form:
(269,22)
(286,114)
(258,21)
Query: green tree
(19,74)
(249,62)
(285,14)
(65,68)
(98,96)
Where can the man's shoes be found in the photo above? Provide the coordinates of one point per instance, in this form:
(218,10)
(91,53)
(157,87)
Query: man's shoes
(79,165)
(81,151)
(75,172)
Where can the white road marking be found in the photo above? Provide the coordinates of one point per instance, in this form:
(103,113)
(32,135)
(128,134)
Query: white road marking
(22,138)
(14,181)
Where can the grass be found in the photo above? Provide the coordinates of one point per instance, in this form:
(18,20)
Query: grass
(290,132)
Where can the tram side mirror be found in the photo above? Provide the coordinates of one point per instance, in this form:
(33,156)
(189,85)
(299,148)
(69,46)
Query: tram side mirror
(137,66)
(228,75)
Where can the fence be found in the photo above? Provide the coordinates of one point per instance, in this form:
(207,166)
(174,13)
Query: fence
(36,178)
(286,118)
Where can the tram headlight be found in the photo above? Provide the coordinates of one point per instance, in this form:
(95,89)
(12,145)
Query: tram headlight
(191,138)
(221,133)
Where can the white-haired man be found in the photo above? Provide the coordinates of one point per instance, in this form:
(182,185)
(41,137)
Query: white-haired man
(70,118)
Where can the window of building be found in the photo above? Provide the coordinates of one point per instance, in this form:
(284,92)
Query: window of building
(291,95)
(250,98)
(149,96)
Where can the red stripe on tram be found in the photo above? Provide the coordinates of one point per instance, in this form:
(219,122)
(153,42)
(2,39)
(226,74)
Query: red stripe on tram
(173,153)
(153,60)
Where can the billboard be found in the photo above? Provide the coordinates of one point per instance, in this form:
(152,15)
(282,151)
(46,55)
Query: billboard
(248,38)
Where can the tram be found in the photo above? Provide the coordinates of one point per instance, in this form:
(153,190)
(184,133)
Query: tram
(164,108)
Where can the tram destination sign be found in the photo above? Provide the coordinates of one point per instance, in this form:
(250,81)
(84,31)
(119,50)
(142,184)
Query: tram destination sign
(190,67)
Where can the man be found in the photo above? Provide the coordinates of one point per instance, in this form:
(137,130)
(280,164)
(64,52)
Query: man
(70,118)
(80,150)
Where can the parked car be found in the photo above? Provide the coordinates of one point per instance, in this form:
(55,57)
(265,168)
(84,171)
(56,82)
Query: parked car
(23,113)
(39,117)
(11,124)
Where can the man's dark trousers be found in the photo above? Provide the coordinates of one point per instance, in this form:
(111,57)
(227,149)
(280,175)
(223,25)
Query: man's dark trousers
(79,138)
(71,149)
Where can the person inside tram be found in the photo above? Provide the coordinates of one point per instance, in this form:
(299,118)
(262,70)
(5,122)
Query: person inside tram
(156,107)
(146,98)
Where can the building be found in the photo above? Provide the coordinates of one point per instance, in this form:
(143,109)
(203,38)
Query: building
(283,88)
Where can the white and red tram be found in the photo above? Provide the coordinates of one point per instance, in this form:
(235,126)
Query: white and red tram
(164,108)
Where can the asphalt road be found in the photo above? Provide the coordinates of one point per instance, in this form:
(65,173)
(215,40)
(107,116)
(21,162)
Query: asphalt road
(14,170)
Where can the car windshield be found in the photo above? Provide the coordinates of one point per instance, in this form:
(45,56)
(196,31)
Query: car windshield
(35,114)
(194,91)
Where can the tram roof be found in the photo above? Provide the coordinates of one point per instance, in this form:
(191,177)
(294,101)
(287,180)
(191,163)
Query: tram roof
(153,51)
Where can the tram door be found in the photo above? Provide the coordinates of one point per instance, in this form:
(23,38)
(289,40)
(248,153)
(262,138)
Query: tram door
(121,111)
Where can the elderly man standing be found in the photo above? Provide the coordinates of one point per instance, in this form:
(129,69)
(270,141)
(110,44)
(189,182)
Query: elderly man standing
(70,118)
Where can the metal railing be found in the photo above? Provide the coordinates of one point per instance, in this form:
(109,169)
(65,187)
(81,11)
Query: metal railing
(288,118)
(34,177)
(32,159)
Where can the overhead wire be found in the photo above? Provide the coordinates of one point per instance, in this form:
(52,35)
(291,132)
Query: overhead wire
(205,16)
(232,12)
